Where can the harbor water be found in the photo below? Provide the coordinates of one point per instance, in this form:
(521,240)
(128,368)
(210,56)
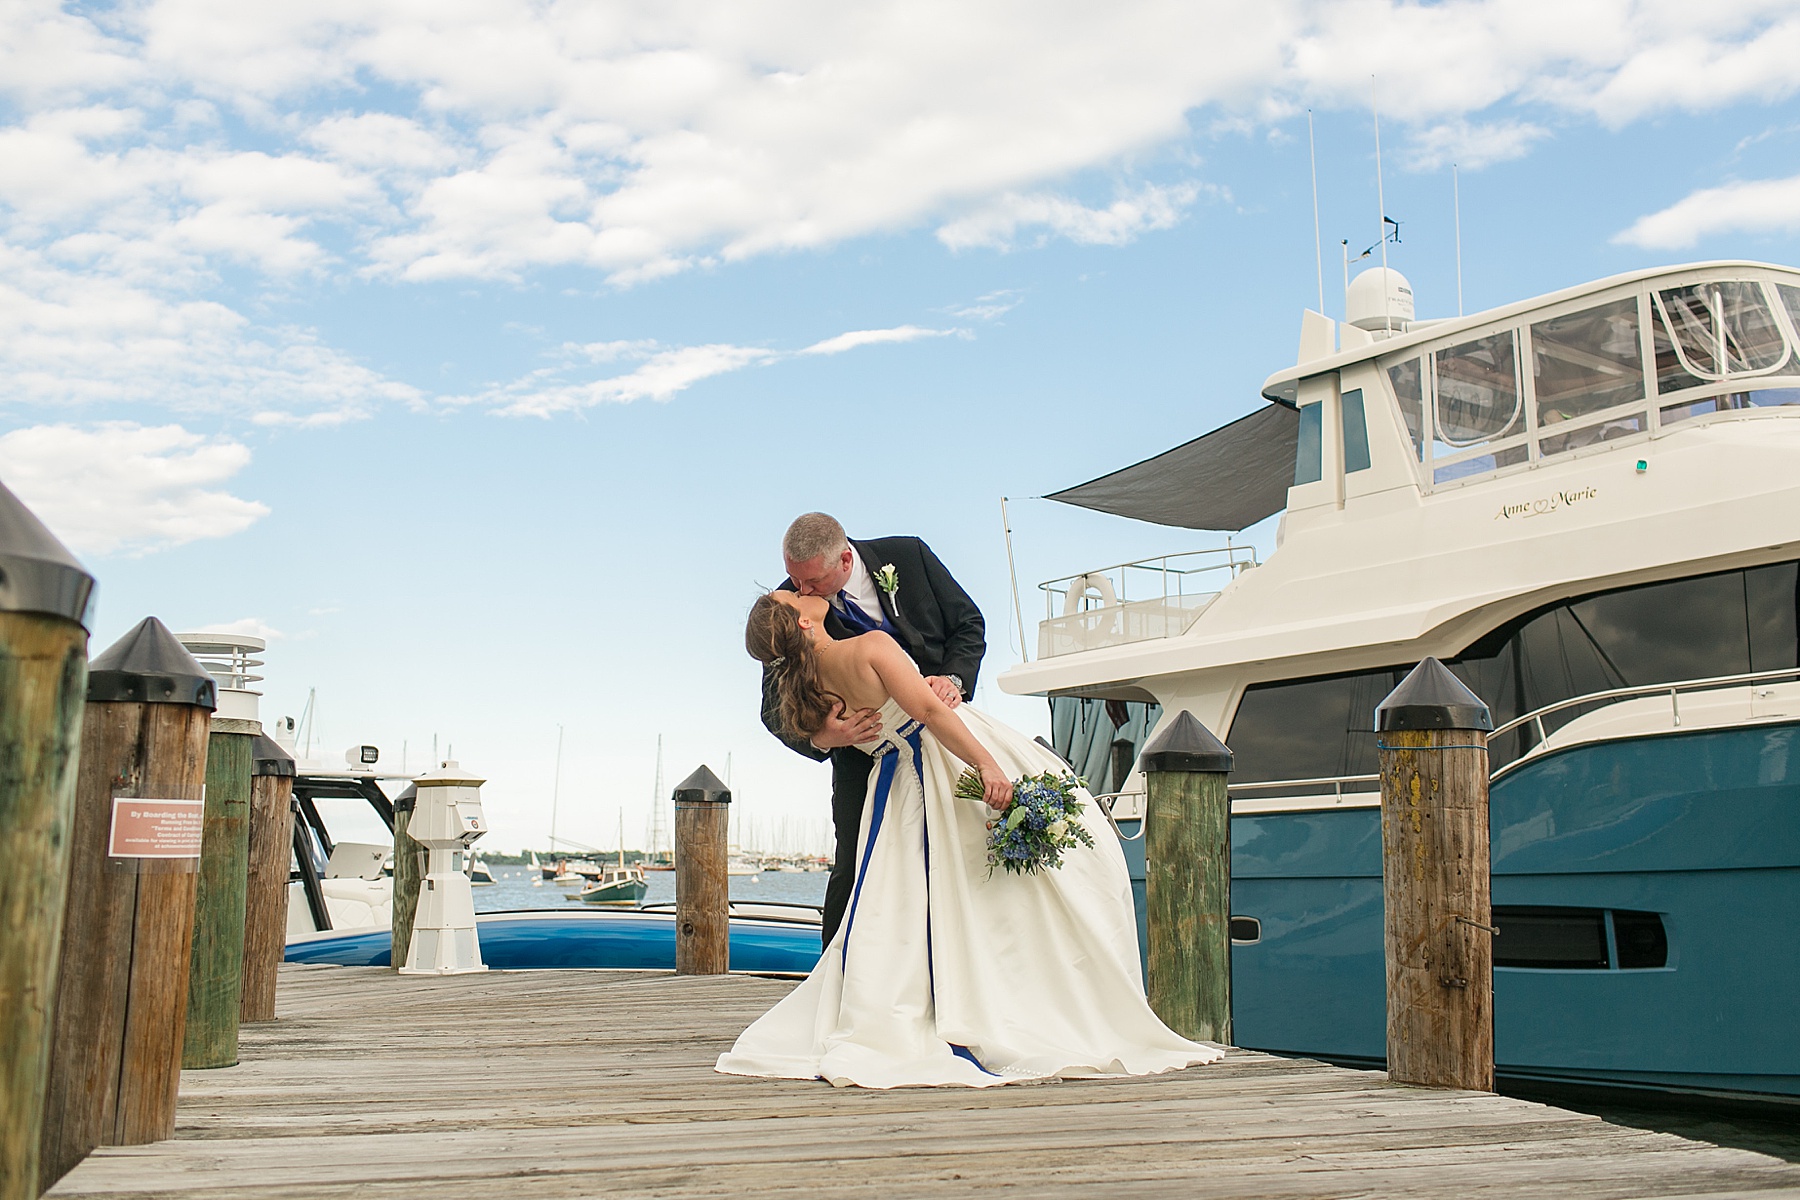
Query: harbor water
(517,887)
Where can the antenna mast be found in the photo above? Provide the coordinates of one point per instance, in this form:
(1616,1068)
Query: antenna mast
(1387,320)
(1456,201)
(1013,573)
(1312,152)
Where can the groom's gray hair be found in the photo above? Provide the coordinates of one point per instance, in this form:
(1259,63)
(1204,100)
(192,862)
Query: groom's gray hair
(811,536)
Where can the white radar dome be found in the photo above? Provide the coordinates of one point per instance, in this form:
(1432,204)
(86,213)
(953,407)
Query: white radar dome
(1380,299)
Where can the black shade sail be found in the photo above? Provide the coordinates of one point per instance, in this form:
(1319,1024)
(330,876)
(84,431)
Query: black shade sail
(1227,480)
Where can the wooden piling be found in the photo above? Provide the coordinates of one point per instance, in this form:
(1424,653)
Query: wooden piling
(409,869)
(1187,884)
(44,598)
(216,970)
(702,885)
(1435,881)
(266,876)
(115,1061)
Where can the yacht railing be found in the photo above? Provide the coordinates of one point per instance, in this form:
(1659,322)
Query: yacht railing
(1133,601)
(1674,691)
(1345,789)
(1339,789)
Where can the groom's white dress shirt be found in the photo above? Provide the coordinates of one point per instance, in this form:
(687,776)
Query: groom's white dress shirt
(860,587)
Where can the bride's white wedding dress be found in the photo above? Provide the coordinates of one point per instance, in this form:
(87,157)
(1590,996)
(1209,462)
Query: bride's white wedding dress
(943,975)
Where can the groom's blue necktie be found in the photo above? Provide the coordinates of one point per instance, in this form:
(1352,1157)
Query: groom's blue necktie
(859,621)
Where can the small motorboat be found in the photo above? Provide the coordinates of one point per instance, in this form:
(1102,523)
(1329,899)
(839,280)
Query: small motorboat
(480,874)
(617,885)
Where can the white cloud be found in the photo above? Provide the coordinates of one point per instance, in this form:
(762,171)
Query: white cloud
(662,371)
(69,338)
(991,306)
(120,486)
(254,627)
(1470,145)
(161,148)
(874,337)
(999,224)
(1761,206)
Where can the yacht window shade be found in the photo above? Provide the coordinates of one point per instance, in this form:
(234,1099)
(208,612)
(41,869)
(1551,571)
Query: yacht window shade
(1226,480)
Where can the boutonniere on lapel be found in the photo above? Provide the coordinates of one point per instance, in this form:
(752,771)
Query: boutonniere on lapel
(888,579)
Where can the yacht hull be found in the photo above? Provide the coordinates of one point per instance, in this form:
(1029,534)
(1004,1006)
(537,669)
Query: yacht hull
(1701,829)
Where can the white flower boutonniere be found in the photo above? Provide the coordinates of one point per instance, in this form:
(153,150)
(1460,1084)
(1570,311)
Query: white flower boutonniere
(888,579)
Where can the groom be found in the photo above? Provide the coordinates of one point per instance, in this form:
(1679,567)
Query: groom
(896,585)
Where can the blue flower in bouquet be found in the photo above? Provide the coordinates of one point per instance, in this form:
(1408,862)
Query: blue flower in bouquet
(1032,832)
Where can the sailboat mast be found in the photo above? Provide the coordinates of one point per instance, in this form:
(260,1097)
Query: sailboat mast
(556,788)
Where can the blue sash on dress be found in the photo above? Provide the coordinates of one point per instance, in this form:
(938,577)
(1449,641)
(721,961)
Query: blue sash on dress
(912,732)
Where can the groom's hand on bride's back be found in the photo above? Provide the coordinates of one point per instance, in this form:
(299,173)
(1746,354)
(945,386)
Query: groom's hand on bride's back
(861,725)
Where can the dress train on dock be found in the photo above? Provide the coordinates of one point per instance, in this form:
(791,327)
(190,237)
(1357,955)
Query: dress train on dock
(941,975)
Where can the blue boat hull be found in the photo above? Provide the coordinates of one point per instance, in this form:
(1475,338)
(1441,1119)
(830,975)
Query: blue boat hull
(586,938)
(1702,829)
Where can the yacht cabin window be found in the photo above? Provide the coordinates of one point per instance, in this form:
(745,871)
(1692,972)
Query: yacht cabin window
(1725,623)
(1309,448)
(1356,432)
(1406,379)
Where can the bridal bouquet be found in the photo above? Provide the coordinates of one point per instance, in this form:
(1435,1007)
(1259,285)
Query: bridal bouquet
(1037,826)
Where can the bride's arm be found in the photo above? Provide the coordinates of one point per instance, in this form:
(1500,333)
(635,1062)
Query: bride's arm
(910,691)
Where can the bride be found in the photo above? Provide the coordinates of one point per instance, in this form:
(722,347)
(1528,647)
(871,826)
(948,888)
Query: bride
(942,972)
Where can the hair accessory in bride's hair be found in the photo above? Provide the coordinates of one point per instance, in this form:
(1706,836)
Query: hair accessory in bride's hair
(778,660)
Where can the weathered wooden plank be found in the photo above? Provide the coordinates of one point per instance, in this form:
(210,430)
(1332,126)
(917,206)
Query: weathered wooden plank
(216,967)
(562,1099)
(43,677)
(271,844)
(1435,882)
(123,987)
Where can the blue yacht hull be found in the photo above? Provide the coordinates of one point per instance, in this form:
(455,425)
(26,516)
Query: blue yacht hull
(1702,829)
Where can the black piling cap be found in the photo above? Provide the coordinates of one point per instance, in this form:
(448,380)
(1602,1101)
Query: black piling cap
(149,665)
(37,573)
(1184,744)
(1432,698)
(268,758)
(702,787)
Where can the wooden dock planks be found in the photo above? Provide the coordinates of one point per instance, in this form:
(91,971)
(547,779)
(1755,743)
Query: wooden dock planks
(572,1083)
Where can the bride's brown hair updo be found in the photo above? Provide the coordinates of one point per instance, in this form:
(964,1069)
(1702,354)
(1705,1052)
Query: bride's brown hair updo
(773,636)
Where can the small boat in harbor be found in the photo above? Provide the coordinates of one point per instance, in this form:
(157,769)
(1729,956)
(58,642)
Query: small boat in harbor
(480,874)
(617,885)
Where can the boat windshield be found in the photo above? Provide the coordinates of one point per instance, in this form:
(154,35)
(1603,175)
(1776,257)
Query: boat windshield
(1589,381)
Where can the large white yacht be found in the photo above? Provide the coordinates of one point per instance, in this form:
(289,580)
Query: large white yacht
(1588,505)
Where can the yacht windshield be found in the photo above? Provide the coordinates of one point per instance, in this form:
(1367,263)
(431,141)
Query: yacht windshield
(1711,330)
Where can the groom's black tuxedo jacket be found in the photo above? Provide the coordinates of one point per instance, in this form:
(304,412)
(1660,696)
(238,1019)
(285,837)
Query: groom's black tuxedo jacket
(937,623)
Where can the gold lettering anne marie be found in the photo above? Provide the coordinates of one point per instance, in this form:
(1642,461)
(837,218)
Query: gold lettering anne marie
(1554,502)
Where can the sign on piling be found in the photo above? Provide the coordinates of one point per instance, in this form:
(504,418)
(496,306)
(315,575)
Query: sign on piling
(122,993)
(702,903)
(1432,736)
(1187,881)
(44,600)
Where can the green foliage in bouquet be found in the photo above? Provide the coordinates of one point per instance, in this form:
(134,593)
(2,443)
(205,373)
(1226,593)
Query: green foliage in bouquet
(1037,826)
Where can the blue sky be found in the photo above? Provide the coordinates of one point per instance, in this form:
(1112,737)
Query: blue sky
(478,354)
